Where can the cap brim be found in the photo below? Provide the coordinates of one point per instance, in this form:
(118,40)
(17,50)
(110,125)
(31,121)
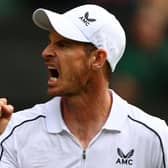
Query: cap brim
(49,20)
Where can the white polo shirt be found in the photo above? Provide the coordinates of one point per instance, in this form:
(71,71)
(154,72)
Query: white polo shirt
(39,138)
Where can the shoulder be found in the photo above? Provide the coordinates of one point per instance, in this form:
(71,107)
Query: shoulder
(28,115)
(21,124)
(152,128)
(27,118)
(21,118)
(139,117)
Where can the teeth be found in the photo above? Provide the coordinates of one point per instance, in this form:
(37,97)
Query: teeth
(50,67)
(53,73)
(53,78)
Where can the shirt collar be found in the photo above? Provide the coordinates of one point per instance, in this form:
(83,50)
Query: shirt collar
(115,121)
(118,114)
(54,120)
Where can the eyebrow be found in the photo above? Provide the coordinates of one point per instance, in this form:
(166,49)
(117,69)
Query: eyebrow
(67,41)
(70,42)
(64,40)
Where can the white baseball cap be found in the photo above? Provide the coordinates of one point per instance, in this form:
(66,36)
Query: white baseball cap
(87,23)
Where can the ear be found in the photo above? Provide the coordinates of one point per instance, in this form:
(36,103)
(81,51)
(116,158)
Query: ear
(98,59)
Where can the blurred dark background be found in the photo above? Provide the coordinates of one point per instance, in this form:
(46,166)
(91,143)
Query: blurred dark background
(140,77)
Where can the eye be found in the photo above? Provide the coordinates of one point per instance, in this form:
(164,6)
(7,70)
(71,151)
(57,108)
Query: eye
(60,44)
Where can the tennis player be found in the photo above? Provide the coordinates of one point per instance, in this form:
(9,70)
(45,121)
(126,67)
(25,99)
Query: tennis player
(85,124)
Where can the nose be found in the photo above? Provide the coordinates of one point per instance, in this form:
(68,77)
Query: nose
(47,52)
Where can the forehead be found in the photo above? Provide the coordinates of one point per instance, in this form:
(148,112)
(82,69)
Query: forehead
(54,36)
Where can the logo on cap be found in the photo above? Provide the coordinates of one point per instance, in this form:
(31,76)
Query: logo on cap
(86,20)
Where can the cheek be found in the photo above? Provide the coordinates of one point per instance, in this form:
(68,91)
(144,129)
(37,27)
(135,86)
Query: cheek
(82,74)
(75,66)
(79,73)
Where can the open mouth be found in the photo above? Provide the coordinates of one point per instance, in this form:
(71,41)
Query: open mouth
(53,73)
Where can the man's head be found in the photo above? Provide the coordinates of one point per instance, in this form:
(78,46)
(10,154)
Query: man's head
(85,44)
(89,24)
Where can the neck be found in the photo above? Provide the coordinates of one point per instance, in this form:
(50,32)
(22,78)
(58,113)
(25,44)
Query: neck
(87,110)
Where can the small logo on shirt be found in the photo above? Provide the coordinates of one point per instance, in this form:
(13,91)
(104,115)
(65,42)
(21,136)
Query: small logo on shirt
(125,159)
(86,20)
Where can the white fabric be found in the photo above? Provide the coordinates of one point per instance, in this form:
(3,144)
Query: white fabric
(87,23)
(39,138)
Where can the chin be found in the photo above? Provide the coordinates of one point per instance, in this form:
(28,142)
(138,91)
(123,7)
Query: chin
(66,91)
(52,93)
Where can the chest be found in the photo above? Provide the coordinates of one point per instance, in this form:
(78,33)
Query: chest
(106,150)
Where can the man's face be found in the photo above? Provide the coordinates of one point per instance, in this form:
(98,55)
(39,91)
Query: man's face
(68,66)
